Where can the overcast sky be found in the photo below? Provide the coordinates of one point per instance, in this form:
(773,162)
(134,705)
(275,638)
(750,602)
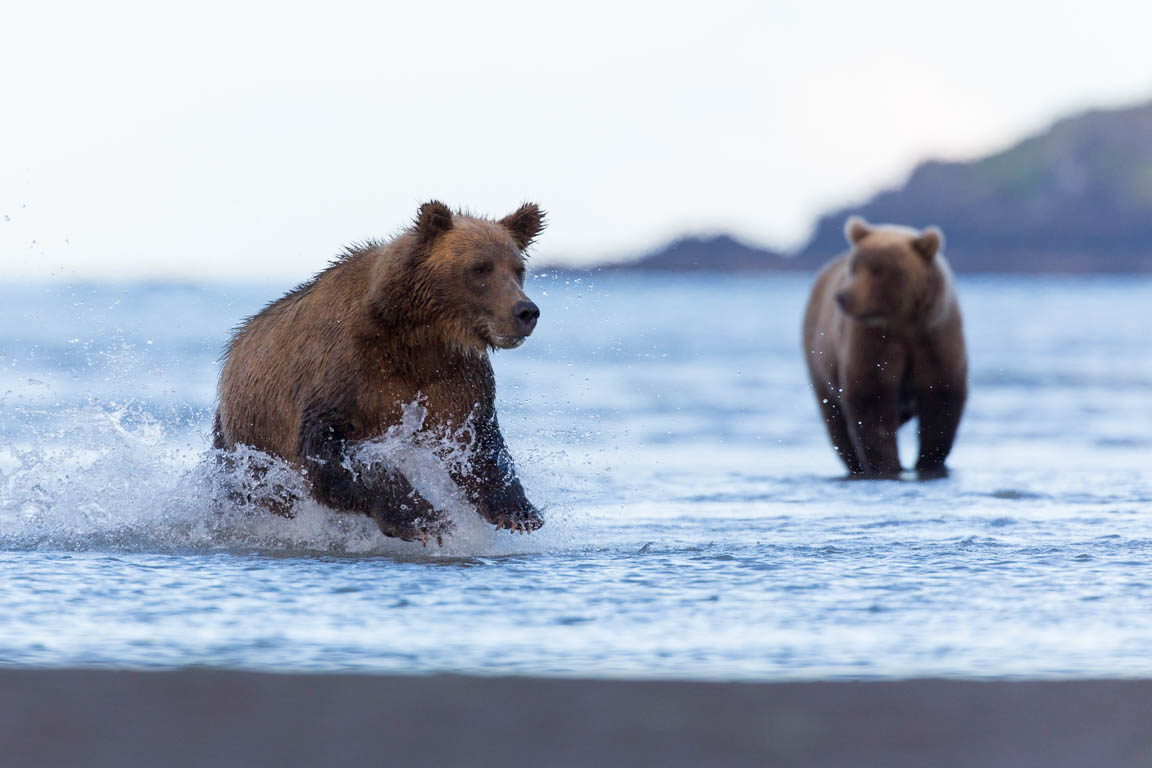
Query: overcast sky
(245,138)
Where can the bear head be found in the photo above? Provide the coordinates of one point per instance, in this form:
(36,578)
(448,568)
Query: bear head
(461,279)
(894,274)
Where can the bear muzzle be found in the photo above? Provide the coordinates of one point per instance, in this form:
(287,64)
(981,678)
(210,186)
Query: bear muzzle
(515,329)
(526,313)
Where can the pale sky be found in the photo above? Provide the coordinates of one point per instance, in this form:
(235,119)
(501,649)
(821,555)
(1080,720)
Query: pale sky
(248,139)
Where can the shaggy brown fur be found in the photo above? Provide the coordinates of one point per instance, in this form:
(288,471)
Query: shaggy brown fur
(334,362)
(884,342)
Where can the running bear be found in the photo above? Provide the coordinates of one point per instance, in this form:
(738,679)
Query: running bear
(884,342)
(334,362)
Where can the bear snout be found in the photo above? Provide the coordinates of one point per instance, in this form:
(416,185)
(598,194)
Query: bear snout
(526,313)
(845,300)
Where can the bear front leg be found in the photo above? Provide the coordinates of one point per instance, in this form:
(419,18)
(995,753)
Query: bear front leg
(940,408)
(838,432)
(872,420)
(871,408)
(871,380)
(492,484)
(384,494)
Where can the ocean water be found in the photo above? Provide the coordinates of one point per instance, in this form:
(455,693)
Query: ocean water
(698,523)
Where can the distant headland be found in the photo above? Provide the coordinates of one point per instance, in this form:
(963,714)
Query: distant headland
(1076,198)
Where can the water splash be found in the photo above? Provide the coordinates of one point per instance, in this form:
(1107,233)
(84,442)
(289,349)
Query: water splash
(114,478)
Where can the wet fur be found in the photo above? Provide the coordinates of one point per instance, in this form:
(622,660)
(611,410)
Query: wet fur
(333,363)
(899,354)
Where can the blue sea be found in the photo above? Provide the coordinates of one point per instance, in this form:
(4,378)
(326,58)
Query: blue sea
(698,523)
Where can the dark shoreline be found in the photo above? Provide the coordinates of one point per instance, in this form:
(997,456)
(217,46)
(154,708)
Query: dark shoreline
(201,717)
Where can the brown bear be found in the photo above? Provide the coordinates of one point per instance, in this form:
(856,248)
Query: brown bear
(884,342)
(335,362)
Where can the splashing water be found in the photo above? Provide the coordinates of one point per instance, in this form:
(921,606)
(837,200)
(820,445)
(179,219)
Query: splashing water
(109,478)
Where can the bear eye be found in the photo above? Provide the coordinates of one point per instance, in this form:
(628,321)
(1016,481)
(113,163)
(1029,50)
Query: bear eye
(481,269)
(520,274)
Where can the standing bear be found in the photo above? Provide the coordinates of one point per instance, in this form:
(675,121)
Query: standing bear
(884,342)
(334,363)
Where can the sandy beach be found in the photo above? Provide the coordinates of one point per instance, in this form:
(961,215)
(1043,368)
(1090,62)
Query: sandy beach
(99,718)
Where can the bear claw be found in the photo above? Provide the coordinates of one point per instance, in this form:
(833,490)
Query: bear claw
(519,522)
(424,537)
(424,534)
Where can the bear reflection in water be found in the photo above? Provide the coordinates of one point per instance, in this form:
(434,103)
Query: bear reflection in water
(884,342)
(330,366)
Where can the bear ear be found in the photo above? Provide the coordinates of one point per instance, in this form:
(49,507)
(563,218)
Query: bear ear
(928,242)
(525,224)
(856,229)
(432,220)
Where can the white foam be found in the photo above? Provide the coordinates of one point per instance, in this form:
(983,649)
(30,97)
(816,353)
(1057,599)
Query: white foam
(113,477)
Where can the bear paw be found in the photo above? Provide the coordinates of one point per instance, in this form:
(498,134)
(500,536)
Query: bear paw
(424,531)
(931,470)
(521,520)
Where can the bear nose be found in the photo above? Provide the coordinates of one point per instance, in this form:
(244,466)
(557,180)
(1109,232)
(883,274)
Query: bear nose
(527,313)
(844,299)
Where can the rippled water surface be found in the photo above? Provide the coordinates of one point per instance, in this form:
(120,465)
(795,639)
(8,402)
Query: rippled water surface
(698,524)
